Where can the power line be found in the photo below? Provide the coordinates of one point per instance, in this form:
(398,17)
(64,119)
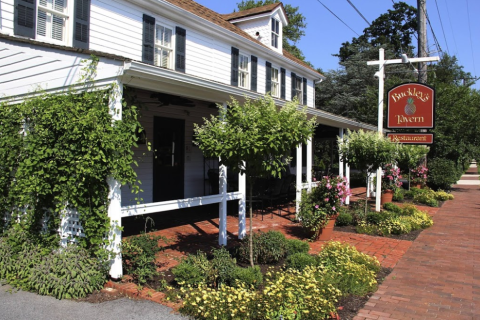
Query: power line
(441,23)
(471,43)
(358,11)
(451,27)
(338,17)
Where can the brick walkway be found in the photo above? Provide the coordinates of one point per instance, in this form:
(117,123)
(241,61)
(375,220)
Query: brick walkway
(437,277)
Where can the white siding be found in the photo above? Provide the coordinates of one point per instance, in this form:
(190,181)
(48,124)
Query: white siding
(25,68)
(258,25)
(6,16)
(194,166)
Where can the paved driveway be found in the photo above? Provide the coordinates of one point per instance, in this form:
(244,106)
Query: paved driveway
(19,305)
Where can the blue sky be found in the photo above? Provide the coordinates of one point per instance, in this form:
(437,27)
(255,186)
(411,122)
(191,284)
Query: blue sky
(325,33)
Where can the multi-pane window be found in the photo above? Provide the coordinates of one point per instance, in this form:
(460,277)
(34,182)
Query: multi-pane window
(275,32)
(243,71)
(298,90)
(275,83)
(51,19)
(163,46)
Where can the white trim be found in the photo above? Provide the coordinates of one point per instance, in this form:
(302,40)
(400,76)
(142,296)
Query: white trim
(153,207)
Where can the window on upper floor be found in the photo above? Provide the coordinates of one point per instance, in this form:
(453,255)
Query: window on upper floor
(275,32)
(299,88)
(65,22)
(243,71)
(275,83)
(162,46)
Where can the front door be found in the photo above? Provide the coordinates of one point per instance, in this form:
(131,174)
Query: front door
(168,159)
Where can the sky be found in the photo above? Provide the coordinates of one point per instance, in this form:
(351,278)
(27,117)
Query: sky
(325,33)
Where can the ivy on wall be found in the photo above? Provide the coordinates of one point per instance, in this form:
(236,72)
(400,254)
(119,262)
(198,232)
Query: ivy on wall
(56,152)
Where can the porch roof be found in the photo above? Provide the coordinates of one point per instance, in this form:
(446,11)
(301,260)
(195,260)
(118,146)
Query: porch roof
(144,76)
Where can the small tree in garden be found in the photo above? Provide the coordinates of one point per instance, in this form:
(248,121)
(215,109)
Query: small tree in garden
(254,138)
(410,156)
(366,151)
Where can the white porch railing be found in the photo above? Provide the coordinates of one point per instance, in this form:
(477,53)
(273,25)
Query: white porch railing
(153,207)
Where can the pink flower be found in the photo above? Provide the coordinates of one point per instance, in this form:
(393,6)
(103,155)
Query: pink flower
(326,199)
(333,208)
(317,206)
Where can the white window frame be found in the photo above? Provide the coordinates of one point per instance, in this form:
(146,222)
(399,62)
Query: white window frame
(243,70)
(159,46)
(275,82)
(299,89)
(51,13)
(275,32)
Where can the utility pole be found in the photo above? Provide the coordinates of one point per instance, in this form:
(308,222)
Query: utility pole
(422,39)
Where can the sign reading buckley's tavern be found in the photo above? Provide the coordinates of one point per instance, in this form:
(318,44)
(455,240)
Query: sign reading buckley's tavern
(411,105)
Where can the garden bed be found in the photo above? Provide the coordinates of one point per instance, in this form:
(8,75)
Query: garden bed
(411,236)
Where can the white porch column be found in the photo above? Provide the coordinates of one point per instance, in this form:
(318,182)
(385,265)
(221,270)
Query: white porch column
(299,178)
(340,162)
(309,163)
(115,194)
(242,187)
(347,175)
(222,214)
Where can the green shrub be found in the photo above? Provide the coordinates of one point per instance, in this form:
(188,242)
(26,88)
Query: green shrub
(442,174)
(409,210)
(357,210)
(344,219)
(441,195)
(297,246)
(69,272)
(351,271)
(193,269)
(393,226)
(299,261)
(392,207)
(367,228)
(427,196)
(222,266)
(398,194)
(268,247)
(248,276)
(139,255)
(410,194)
(374,217)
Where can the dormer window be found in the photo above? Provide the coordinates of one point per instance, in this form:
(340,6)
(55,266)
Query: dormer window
(275,32)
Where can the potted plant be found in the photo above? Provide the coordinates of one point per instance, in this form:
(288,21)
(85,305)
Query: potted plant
(419,176)
(319,208)
(390,181)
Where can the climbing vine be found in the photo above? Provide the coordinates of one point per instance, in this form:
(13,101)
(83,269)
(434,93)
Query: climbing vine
(56,152)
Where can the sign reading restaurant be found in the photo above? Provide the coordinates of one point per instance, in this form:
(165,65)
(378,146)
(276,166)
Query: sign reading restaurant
(411,138)
(411,106)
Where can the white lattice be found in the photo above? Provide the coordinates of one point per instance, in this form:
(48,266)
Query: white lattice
(70,227)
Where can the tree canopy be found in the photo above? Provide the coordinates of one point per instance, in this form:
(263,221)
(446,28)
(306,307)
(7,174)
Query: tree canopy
(292,32)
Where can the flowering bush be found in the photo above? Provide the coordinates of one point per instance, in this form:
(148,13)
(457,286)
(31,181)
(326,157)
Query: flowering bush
(391,178)
(323,202)
(419,175)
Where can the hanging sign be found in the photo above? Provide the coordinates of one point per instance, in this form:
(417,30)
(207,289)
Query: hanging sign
(411,138)
(411,105)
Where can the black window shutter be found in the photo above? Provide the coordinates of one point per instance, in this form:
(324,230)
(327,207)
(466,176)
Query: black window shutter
(180,48)
(282,83)
(148,44)
(253,78)
(294,86)
(268,80)
(24,19)
(304,91)
(81,22)
(234,75)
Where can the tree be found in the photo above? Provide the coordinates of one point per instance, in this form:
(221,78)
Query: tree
(366,151)
(254,138)
(292,32)
(395,27)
